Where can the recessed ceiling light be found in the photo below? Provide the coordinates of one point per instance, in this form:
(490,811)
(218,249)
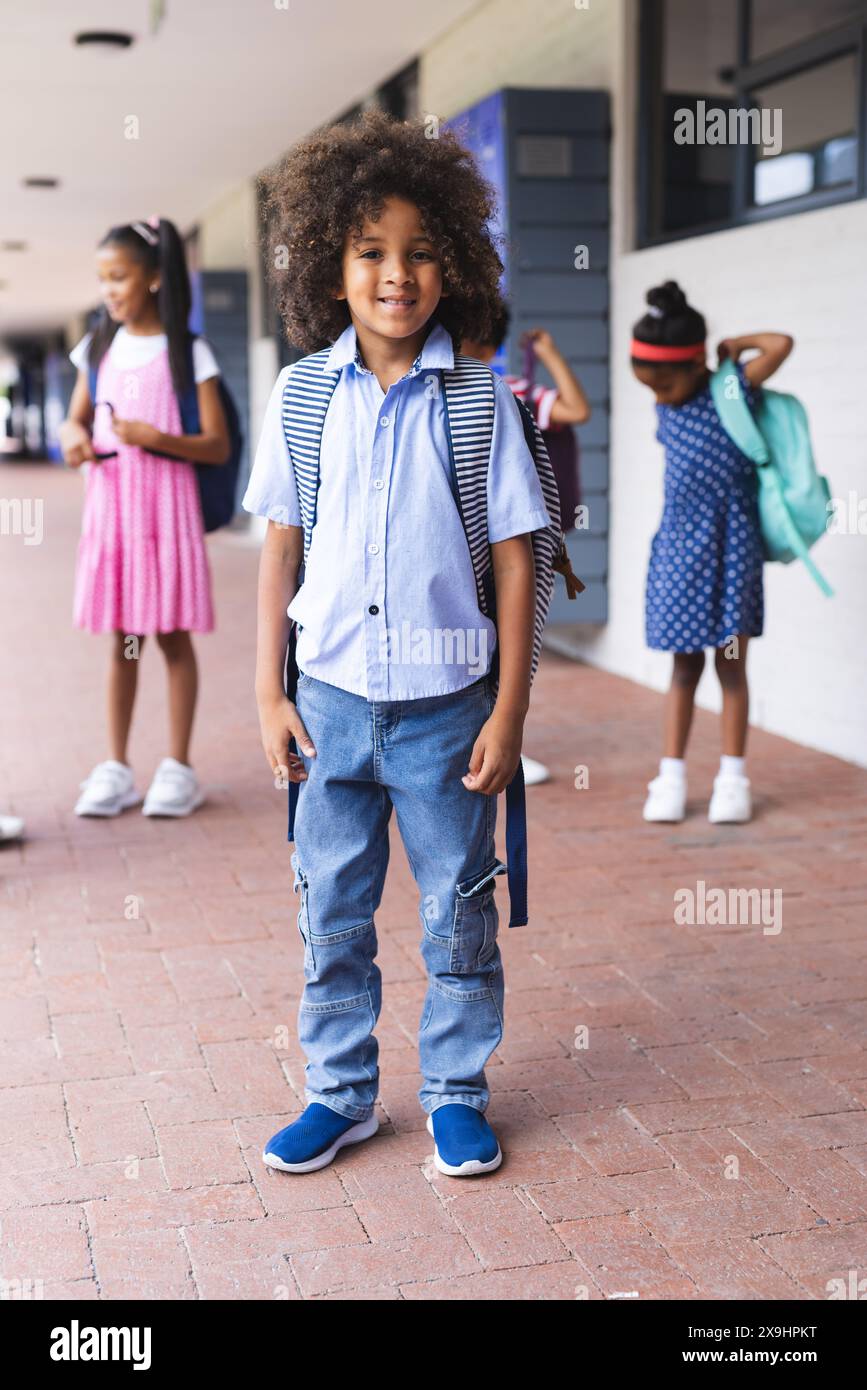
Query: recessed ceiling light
(40,183)
(106,39)
(13,246)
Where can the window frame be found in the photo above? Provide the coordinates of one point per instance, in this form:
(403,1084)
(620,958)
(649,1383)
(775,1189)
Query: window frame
(746,75)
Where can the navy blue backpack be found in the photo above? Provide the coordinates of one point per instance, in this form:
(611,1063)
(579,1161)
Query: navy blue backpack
(218,483)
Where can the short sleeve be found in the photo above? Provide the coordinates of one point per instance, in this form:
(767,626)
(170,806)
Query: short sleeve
(271,490)
(78,355)
(515,502)
(204,362)
(543,404)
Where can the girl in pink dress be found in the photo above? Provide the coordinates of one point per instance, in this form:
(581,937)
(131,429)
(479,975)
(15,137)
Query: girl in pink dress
(142,564)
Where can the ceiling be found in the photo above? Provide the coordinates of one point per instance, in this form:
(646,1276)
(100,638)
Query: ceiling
(220,89)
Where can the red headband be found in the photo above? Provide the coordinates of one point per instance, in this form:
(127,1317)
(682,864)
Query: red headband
(653,352)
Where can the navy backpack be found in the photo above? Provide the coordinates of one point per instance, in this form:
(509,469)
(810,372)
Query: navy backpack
(218,483)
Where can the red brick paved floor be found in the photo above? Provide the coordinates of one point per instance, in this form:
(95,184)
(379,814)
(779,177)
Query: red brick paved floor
(710,1142)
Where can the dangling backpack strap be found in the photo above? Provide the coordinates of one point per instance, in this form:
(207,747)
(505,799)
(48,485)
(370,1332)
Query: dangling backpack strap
(740,426)
(735,415)
(306,398)
(290,685)
(93,368)
(188,403)
(468,392)
(563,565)
(516,847)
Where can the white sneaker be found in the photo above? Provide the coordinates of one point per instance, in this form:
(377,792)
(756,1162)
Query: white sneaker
(107,791)
(732,801)
(533,772)
(11,827)
(667,799)
(175,790)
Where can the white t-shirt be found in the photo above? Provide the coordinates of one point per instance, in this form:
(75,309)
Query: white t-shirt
(131,350)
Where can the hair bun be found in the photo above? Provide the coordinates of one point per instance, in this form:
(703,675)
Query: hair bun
(668,298)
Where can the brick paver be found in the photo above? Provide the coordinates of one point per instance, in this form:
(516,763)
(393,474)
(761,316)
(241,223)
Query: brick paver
(683,1108)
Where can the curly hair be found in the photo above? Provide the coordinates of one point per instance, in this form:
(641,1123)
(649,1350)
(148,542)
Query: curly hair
(329,183)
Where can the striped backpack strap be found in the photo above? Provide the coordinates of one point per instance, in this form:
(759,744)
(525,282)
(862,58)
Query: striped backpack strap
(306,397)
(548,540)
(469,400)
(469,397)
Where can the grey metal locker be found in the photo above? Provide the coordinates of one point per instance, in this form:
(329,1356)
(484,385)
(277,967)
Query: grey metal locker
(557,153)
(224,324)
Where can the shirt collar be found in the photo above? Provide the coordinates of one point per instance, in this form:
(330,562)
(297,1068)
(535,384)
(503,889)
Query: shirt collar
(437,351)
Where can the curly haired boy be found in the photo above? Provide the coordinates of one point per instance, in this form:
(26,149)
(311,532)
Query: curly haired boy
(385,263)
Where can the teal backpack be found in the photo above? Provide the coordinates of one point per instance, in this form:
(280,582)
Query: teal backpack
(793,497)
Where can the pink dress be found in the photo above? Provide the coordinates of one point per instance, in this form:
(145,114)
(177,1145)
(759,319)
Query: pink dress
(142,562)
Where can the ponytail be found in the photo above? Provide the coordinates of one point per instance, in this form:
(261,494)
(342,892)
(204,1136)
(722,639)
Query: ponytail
(174,302)
(158,246)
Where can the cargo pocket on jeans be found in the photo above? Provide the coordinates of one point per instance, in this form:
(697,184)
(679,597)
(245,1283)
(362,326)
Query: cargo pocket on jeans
(474,934)
(300,885)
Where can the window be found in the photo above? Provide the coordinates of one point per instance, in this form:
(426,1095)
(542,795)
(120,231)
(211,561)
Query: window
(398,96)
(748,109)
(775,24)
(818,141)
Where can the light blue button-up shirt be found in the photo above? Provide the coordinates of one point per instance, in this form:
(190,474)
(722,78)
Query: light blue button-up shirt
(388,608)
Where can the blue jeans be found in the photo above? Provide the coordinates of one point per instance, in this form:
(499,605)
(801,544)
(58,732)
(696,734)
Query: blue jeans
(409,755)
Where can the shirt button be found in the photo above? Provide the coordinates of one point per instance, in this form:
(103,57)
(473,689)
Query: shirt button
(384,421)
(373,609)
(378,484)
(373,549)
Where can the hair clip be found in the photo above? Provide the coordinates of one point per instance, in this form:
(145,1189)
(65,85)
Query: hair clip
(146,233)
(154,221)
(655,312)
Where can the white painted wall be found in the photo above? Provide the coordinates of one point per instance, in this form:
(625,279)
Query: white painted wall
(227,229)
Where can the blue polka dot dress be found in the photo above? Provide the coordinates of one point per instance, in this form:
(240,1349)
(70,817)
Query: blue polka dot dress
(704,584)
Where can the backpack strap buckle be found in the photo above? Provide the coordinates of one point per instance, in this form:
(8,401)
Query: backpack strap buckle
(563,565)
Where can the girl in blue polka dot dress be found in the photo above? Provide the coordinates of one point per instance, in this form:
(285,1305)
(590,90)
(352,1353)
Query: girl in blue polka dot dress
(704,584)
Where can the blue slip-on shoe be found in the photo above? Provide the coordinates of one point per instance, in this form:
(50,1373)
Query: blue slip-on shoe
(464,1143)
(313,1140)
